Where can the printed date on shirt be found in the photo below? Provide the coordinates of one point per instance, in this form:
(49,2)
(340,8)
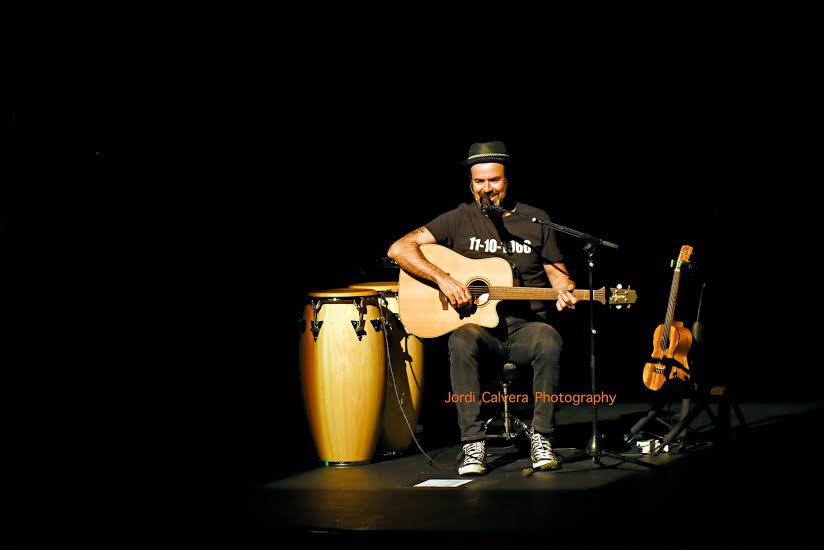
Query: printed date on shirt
(492,246)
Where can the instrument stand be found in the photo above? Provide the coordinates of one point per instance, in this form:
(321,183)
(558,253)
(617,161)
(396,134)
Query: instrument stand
(593,448)
(697,401)
(723,429)
(654,413)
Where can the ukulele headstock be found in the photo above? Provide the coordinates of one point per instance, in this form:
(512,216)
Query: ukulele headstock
(684,256)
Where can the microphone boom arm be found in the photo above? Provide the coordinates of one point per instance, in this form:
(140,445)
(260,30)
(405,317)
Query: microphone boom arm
(593,241)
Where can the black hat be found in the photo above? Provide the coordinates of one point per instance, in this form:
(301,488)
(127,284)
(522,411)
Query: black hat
(490,151)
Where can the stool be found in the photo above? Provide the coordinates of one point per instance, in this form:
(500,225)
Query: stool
(513,426)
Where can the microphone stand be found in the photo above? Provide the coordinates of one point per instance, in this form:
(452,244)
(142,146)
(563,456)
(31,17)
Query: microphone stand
(594,448)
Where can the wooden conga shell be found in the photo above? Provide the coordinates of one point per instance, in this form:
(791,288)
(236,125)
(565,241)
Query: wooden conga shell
(406,357)
(343,377)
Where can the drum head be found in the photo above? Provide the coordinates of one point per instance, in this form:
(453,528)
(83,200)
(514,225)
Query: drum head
(379,286)
(343,293)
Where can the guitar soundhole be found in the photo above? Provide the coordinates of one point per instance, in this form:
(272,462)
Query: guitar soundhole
(480,291)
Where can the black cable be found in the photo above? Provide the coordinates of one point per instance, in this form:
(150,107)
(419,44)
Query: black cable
(432,461)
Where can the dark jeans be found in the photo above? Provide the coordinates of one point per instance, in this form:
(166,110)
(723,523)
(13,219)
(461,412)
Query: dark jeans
(533,343)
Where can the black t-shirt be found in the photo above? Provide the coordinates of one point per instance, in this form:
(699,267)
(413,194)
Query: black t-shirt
(526,245)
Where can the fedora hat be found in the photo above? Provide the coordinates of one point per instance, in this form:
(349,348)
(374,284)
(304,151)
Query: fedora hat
(489,151)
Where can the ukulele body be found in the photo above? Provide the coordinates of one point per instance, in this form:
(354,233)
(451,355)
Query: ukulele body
(666,364)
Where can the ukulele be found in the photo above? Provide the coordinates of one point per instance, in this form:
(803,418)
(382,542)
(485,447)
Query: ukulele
(671,341)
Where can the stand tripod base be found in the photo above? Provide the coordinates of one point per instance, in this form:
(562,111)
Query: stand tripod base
(622,458)
(595,452)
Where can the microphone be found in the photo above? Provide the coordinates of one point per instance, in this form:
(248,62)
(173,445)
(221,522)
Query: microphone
(488,207)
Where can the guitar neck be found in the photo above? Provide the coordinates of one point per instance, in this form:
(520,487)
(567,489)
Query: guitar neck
(531,293)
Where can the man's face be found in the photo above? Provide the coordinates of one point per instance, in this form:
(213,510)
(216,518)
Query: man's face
(488,179)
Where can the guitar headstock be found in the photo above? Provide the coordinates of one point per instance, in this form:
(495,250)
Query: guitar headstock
(621,297)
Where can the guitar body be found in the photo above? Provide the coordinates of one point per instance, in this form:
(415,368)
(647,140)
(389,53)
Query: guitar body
(424,310)
(670,363)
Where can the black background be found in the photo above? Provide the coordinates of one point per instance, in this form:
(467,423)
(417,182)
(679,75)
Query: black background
(178,181)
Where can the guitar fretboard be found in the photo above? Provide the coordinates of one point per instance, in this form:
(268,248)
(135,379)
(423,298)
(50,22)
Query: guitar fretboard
(530,293)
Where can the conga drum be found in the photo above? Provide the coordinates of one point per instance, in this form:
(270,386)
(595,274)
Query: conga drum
(342,357)
(406,358)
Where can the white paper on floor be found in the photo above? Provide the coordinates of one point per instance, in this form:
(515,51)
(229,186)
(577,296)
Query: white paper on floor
(443,483)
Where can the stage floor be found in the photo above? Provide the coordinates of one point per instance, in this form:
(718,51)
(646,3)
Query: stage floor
(742,490)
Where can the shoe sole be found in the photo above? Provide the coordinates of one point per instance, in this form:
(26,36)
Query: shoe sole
(472,471)
(551,465)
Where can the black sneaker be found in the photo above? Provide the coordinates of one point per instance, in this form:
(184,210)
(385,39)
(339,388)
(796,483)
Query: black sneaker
(474,459)
(541,452)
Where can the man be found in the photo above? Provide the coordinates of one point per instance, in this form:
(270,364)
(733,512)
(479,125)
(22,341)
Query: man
(523,335)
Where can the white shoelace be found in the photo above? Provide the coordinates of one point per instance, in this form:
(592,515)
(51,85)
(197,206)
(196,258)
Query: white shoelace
(475,452)
(541,448)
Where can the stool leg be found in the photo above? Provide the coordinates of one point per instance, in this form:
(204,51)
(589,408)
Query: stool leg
(520,427)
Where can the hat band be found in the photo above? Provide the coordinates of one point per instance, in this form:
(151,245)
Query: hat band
(503,155)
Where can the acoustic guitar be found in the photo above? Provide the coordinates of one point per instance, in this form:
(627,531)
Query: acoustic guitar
(670,341)
(426,312)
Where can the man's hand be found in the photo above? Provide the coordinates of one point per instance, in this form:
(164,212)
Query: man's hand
(457,293)
(565,298)
(558,276)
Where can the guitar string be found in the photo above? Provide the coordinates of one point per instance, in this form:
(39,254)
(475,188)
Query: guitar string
(508,291)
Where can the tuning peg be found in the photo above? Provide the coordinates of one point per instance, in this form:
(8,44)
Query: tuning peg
(629,305)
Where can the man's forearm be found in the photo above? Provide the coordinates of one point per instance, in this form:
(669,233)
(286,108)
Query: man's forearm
(408,255)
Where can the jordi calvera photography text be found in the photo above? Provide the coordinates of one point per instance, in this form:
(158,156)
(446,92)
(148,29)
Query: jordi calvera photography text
(538,397)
